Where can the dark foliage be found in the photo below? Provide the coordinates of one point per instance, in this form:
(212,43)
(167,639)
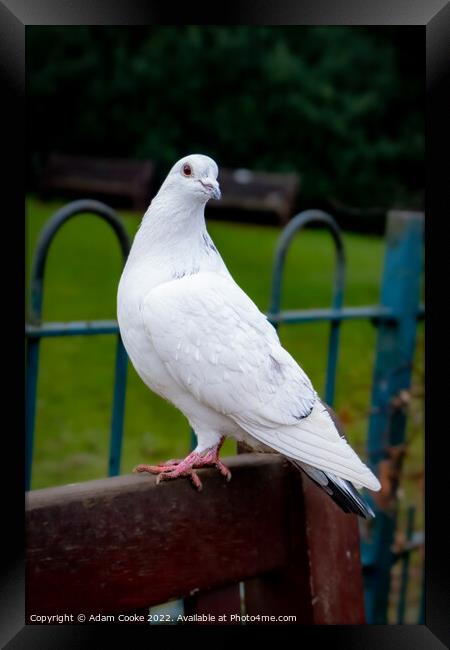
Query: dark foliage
(343,106)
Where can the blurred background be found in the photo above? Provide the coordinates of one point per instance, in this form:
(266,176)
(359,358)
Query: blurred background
(296,117)
(341,106)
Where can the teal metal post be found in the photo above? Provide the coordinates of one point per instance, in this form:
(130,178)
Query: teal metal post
(118,410)
(391,383)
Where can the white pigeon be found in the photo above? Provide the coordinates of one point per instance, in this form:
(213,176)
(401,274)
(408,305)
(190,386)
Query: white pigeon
(199,341)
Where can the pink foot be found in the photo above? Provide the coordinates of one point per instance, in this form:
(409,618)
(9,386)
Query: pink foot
(175,468)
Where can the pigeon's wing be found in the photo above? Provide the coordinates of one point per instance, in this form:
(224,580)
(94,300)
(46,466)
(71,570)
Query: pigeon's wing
(218,346)
(216,343)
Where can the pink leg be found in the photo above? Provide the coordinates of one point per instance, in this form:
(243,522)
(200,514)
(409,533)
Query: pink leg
(175,468)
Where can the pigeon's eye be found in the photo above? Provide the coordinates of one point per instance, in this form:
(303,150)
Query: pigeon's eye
(187,170)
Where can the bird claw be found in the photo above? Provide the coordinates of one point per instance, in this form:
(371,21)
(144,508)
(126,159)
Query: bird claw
(223,469)
(190,473)
(174,468)
(151,469)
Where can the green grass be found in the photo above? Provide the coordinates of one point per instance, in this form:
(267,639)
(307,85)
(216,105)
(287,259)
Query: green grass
(76,373)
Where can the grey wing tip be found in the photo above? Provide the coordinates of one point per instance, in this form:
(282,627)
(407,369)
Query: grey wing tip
(348,498)
(341,491)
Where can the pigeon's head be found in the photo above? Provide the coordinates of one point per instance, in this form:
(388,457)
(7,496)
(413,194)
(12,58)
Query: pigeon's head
(194,178)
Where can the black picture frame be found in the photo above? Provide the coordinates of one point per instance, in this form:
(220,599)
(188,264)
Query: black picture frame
(15,17)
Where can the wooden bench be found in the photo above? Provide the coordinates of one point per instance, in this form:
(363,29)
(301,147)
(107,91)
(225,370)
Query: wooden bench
(124,544)
(245,192)
(99,178)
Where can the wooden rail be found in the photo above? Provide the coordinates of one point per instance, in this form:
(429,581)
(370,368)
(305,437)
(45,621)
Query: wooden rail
(124,543)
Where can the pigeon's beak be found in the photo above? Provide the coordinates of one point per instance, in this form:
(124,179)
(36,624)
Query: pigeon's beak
(212,186)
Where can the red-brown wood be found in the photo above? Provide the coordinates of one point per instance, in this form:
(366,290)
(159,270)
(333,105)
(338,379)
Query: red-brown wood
(125,543)
(286,590)
(322,580)
(122,543)
(332,538)
(324,553)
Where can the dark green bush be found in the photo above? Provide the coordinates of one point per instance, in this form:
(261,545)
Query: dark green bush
(341,105)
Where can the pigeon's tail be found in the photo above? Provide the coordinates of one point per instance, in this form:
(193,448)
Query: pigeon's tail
(342,492)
